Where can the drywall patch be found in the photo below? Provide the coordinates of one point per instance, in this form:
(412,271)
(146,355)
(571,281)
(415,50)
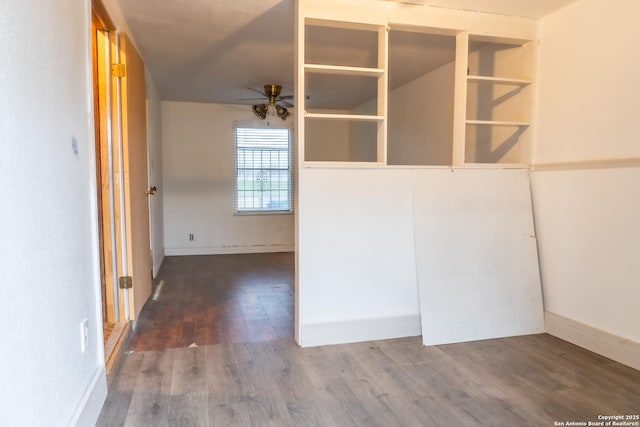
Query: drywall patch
(476,255)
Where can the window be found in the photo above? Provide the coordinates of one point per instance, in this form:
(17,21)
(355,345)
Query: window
(263,171)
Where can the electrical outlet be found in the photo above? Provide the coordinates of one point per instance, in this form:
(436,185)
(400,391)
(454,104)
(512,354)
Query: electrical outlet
(191,237)
(84,335)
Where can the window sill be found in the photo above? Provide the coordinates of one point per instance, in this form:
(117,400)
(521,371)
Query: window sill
(260,213)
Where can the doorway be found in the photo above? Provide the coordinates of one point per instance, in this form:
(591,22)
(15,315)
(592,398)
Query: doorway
(115,325)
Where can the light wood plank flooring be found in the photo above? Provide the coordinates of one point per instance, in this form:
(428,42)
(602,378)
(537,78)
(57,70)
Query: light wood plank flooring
(247,370)
(521,381)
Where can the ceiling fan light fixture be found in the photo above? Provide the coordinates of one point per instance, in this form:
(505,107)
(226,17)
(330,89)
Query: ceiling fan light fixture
(272,108)
(260,110)
(282,112)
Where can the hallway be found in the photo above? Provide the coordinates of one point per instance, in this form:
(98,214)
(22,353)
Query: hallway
(215,299)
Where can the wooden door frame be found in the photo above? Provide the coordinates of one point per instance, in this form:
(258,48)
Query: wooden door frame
(102,29)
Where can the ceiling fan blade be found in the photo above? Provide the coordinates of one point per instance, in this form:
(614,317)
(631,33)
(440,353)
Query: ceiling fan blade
(286,104)
(290,97)
(252,99)
(261,92)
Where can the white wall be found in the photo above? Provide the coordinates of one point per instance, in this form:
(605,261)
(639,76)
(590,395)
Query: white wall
(590,246)
(156,217)
(48,220)
(357,269)
(587,106)
(368,236)
(587,219)
(421,119)
(198,182)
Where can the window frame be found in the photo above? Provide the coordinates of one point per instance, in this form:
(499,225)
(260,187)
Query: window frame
(290,173)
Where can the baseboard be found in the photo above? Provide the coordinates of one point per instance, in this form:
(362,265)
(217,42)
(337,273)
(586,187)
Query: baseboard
(157,262)
(88,410)
(223,250)
(608,345)
(350,331)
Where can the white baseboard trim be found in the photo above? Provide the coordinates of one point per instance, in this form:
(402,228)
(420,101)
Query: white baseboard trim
(608,345)
(350,331)
(157,262)
(223,250)
(88,411)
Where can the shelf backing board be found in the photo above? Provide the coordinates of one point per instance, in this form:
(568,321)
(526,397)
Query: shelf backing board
(351,94)
(341,46)
(497,144)
(340,140)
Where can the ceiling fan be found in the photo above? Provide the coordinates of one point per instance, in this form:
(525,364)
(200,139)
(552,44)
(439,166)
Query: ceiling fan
(274,101)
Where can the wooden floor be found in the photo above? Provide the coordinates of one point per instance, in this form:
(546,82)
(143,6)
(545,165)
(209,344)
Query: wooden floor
(218,299)
(522,381)
(240,376)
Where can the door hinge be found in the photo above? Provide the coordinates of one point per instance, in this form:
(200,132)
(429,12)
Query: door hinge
(125,282)
(119,70)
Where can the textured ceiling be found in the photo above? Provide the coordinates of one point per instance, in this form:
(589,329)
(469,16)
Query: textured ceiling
(212,50)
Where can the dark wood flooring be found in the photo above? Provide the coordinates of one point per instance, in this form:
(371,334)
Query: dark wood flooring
(218,299)
(248,371)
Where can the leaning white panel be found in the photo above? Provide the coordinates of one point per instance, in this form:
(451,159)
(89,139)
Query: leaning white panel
(476,255)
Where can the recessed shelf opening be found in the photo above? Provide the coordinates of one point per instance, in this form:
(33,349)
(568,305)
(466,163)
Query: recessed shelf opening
(497,144)
(340,93)
(340,140)
(499,99)
(421,93)
(341,46)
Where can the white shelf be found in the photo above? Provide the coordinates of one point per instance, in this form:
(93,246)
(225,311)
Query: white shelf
(499,80)
(360,117)
(343,70)
(496,123)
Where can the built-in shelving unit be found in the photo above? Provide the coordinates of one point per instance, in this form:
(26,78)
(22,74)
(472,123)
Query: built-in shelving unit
(478,112)
(494,100)
(352,129)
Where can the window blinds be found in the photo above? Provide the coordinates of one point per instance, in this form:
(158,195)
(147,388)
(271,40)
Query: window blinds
(263,170)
